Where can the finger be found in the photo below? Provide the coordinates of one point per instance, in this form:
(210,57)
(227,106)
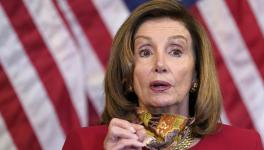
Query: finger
(117,132)
(137,126)
(132,148)
(140,131)
(141,134)
(122,124)
(126,143)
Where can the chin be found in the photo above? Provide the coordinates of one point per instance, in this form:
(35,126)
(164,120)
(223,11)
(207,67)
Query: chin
(162,103)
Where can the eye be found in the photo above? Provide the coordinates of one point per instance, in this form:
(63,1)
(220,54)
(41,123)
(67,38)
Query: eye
(145,53)
(175,52)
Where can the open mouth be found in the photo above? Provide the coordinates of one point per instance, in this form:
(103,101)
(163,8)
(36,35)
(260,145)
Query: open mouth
(159,86)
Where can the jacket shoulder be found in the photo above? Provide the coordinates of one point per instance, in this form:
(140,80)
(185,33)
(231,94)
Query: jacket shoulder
(231,138)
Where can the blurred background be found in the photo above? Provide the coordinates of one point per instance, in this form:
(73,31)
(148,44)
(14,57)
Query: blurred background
(53,55)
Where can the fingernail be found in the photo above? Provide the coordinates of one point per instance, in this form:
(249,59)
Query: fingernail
(135,137)
(132,129)
(143,144)
(141,126)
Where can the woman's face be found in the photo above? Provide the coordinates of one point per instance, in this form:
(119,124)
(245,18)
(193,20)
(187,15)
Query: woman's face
(164,63)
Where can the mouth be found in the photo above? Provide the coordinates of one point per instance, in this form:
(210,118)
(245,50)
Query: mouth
(159,86)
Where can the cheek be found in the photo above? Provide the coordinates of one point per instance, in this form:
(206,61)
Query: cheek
(183,77)
(140,77)
(136,82)
(137,76)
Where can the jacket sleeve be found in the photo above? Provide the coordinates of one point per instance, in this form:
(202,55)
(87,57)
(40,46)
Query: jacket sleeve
(73,142)
(89,138)
(259,145)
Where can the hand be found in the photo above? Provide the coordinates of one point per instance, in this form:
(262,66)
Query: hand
(123,135)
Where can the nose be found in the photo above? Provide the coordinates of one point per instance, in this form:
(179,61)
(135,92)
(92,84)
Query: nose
(159,69)
(160,66)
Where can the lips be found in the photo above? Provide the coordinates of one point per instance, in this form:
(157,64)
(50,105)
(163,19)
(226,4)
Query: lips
(159,86)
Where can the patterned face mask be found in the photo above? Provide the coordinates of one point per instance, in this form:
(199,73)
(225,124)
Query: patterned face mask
(164,129)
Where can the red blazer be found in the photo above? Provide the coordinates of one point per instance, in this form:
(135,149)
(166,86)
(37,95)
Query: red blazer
(227,138)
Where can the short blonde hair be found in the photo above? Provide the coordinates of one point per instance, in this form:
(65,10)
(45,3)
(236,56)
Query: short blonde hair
(204,104)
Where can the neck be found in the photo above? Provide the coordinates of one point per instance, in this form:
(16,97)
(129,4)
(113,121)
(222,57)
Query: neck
(179,108)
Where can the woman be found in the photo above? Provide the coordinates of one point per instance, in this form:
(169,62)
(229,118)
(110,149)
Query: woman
(161,88)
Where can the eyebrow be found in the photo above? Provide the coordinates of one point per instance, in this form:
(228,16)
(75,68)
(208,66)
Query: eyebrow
(178,37)
(170,38)
(142,36)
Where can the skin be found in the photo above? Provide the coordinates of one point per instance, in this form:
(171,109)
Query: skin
(163,52)
(123,135)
